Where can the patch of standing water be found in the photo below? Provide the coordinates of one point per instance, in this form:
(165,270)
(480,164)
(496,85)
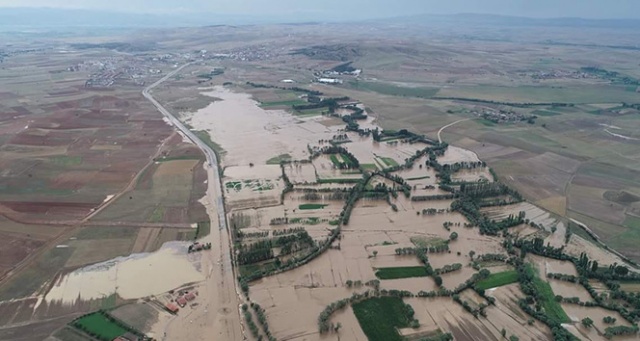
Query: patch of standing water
(135,276)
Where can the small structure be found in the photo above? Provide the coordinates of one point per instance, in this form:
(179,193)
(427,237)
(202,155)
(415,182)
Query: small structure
(287,81)
(330,80)
(190,297)
(172,308)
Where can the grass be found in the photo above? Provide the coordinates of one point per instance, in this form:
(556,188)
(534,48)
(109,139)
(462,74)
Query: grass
(206,138)
(632,222)
(339,181)
(112,232)
(380,317)
(309,112)
(401,272)
(389,162)
(334,160)
(178,158)
(33,278)
(543,94)
(394,90)
(67,161)
(369,167)
(425,242)
(551,307)
(286,103)
(203,229)
(234,185)
(545,113)
(99,325)
(277,159)
(312,206)
(157,215)
(498,279)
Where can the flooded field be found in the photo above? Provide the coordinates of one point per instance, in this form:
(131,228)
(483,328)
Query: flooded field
(250,134)
(162,270)
(288,182)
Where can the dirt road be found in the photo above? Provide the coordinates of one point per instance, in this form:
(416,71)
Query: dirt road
(447,126)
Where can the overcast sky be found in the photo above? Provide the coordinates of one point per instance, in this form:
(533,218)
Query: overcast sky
(324,9)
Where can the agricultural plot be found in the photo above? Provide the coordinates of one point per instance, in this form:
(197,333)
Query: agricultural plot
(498,279)
(380,318)
(103,326)
(166,192)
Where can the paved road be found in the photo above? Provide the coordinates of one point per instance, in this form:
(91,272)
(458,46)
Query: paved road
(218,314)
(212,159)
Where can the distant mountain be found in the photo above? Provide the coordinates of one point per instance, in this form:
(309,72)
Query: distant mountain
(501,20)
(26,18)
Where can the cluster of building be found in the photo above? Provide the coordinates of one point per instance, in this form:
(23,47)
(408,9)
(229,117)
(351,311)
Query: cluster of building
(503,116)
(180,300)
(557,74)
(245,54)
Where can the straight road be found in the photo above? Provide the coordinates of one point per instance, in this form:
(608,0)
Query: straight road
(217,315)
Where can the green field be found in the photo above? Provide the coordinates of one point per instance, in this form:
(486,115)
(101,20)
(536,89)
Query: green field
(393,90)
(543,94)
(67,161)
(339,181)
(632,221)
(309,112)
(498,279)
(206,138)
(157,215)
(380,317)
(389,162)
(312,206)
(401,272)
(277,159)
(552,308)
(369,167)
(97,324)
(426,242)
(545,113)
(334,160)
(283,103)
(34,277)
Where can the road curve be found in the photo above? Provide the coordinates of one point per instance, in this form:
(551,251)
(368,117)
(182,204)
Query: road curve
(211,156)
(447,126)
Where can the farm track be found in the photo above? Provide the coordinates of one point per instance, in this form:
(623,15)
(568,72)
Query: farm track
(447,126)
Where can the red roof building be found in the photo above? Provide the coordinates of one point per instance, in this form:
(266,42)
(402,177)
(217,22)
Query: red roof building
(181,301)
(172,308)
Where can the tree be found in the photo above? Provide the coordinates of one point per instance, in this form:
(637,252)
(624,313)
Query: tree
(503,332)
(375,253)
(587,322)
(453,236)
(471,254)
(609,320)
(621,270)
(514,338)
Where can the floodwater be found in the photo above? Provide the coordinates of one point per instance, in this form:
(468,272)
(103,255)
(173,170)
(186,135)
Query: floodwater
(138,275)
(250,134)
